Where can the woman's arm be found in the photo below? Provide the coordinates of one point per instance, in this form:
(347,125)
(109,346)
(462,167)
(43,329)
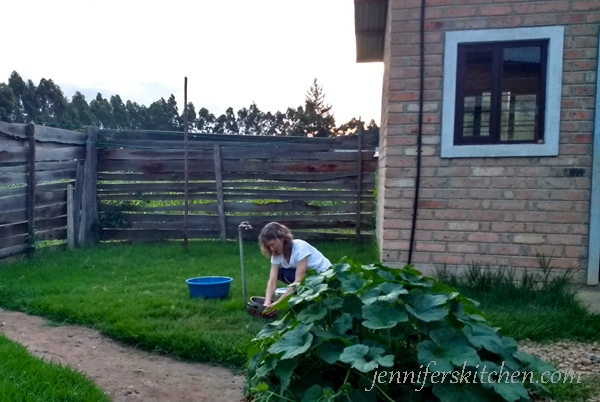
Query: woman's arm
(301,269)
(272,284)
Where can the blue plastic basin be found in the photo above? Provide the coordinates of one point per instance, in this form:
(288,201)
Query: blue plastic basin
(209,286)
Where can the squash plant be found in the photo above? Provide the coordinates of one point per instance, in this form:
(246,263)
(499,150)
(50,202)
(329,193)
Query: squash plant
(374,333)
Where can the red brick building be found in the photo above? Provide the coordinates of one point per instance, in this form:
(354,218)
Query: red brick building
(498,135)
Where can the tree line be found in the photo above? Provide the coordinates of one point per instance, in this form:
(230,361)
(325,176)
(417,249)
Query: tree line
(23,102)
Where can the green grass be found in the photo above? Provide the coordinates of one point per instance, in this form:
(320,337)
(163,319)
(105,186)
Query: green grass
(137,294)
(25,378)
(537,308)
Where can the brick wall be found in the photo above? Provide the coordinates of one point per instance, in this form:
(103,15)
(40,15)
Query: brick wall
(497,211)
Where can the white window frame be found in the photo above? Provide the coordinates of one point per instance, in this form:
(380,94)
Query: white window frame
(555,35)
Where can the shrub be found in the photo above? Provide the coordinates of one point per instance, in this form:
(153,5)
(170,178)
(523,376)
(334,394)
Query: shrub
(368,333)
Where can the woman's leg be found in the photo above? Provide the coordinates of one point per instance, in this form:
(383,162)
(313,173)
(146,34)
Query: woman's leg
(287,275)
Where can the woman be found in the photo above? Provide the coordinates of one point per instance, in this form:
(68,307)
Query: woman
(290,259)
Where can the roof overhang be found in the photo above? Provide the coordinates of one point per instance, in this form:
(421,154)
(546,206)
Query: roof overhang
(370,18)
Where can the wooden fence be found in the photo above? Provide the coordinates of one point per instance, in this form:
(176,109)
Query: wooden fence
(37,165)
(322,188)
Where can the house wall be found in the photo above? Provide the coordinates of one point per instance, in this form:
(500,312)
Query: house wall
(496,211)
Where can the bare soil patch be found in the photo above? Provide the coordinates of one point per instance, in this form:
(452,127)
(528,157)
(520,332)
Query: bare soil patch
(125,373)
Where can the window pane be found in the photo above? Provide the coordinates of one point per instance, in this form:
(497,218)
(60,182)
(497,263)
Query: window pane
(521,93)
(477,94)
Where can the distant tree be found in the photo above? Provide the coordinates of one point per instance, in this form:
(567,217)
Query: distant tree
(206,121)
(53,105)
(250,121)
(191,117)
(352,127)
(102,111)
(137,114)
(121,119)
(316,117)
(79,111)
(163,115)
(9,105)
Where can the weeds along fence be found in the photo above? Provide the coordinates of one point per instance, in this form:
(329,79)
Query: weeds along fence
(322,188)
(37,165)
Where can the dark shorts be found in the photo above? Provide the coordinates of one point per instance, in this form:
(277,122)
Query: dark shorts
(287,275)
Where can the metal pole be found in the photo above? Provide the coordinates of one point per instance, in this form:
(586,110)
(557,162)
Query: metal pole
(245,226)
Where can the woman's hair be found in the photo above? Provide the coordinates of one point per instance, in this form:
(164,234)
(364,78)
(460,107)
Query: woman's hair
(272,231)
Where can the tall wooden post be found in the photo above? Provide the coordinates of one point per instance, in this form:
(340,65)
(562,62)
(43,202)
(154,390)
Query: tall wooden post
(89,224)
(70,218)
(359,187)
(31,191)
(185,169)
(220,202)
(77,197)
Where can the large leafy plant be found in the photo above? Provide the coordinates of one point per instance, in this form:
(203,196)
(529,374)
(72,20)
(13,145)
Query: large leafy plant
(368,333)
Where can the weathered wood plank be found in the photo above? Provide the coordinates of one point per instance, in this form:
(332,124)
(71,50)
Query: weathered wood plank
(55,175)
(62,165)
(16,229)
(13,241)
(89,207)
(178,177)
(305,196)
(51,211)
(14,250)
(131,188)
(155,235)
(24,168)
(227,153)
(43,154)
(54,234)
(6,192)
(158,166)
(52,223)
(18,202)
(47,187)
(298,206)
(77,197)
(10,179)
(43,133)
(10,217)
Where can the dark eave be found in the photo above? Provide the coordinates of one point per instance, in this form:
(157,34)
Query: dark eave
(370,17)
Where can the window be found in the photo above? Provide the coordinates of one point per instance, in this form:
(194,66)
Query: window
(502,92)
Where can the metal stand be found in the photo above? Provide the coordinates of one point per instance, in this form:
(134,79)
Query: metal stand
(243,226)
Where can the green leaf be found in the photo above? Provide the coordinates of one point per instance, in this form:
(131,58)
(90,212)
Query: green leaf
(268,365)
(511,391)
(371,296)
(378,316)
(313,394)
(342,324)
(306,294)
(284,371)
(313,280)
(424,307)
(482,336)
(353,306)
(391,291)
(448,347)
(335,303)
(534,363)
(339,268)
(269,330)
(356,357)
(331,351)
(294,342)
(388,276)
(353,284)
(313,313)
(448,392)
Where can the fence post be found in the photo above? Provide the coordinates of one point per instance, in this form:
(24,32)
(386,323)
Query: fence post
(220,202)
(31,191)
(88,228)
(70,218)
(359,190)
(78,194)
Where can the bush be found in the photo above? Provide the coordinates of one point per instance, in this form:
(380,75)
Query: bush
(374,333)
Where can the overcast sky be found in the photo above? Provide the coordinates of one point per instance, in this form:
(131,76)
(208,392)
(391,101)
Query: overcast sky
(233,52)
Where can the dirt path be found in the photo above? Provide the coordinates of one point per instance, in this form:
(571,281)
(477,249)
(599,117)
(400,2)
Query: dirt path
(126,374)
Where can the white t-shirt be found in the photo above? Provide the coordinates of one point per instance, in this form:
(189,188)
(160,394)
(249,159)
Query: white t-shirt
(301,249)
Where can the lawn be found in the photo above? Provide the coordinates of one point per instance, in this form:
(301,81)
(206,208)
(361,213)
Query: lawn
(27,379)
(137,294)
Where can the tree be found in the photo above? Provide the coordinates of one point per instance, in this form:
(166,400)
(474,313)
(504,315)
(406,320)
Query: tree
(316,119)
(206,121)
(121,118)
(9,106)
(137,114)
(52,104)
(79,111)
(163,115)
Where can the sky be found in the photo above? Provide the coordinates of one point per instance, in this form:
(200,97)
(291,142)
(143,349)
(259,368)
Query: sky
(233,52)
